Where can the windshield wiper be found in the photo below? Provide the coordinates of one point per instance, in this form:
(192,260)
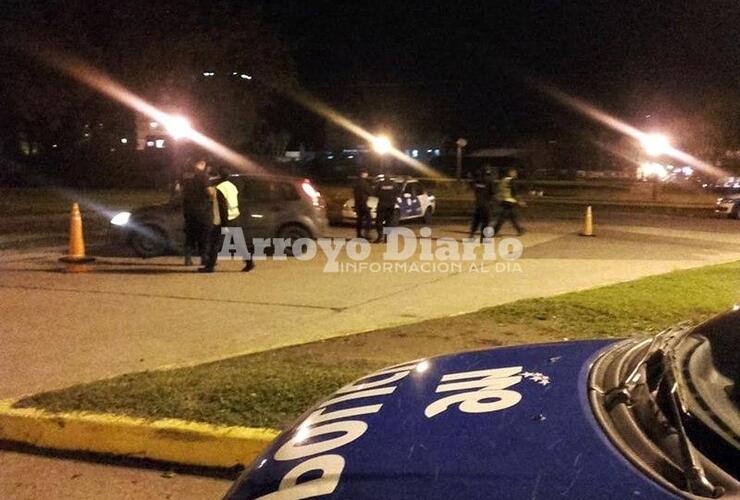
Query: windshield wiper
(622,393)
(696,478)
(657,364)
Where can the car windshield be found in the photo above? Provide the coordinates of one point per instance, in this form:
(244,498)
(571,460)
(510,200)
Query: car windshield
(708,372)
(216,214)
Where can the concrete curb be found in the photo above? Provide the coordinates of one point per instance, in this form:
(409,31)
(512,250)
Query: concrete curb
(169,440)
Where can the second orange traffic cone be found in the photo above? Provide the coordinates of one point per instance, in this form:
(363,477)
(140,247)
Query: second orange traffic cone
(588,223)
(76,240)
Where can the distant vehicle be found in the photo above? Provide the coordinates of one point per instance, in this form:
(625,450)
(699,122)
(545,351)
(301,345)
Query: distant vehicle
(413,202)
(653,418)
(728,206)
(271,207)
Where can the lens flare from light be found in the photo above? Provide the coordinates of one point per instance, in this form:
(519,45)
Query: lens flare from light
(597,115)
(326,111)
(382,144)
(105,85)
(178,127)
(655,144)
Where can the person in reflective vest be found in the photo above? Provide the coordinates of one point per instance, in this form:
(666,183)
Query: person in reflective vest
(226,213)
(483,189)
(507,198)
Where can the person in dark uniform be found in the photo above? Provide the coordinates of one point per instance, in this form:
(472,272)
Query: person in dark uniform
(196,208)
(483,189)
(226,213)
(509,202)
(386,193)
(362,192)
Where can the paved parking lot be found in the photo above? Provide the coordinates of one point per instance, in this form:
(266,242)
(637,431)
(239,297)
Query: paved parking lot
(130,314)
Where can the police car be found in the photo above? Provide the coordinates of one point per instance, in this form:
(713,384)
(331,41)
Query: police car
(651,418)
(728,206)
(413,201)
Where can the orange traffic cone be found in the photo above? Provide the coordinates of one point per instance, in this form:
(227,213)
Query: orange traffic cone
(76,259)
(588,223)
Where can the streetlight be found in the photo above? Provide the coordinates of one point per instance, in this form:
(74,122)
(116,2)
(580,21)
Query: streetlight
(655,144)
(178,127)
(382,144)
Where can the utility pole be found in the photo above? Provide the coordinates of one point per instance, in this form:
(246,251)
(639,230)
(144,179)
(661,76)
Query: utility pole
(461,143)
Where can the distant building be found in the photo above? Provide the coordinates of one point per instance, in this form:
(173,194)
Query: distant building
(150,134)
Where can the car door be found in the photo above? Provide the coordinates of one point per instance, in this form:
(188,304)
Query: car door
(423,197)
(259,206)
(411,207)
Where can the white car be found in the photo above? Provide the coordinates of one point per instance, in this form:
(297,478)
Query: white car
(413,201)
(728,206)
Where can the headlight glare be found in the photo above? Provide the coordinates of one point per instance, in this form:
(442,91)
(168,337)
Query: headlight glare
(121,219)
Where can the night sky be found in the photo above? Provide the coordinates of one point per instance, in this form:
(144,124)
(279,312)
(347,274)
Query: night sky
(463,61)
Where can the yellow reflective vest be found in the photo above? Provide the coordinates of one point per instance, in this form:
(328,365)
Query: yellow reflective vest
(504,190)
(231,195)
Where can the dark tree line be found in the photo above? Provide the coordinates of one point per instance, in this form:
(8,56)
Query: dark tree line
(160,50)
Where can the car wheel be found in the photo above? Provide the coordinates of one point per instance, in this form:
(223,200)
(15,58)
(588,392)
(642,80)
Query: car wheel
(149,240)
(293,232)
(428,215)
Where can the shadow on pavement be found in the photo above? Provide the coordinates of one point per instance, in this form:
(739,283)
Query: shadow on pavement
(140,463)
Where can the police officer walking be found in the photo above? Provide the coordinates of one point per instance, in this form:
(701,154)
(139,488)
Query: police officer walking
(196,207)
(508,201)
(362,192)
(225,198)
(483,189)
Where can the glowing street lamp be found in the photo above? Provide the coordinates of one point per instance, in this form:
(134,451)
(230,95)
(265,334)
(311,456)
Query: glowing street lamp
(382,144)
(178,127)
(655,144)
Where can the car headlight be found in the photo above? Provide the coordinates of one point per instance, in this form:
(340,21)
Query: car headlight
(121,218)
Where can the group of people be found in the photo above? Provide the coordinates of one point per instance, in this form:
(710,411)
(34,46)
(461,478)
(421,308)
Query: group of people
(210,202)
(486,194)
(385,191)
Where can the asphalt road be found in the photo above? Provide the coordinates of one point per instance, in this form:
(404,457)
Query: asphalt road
(129,314)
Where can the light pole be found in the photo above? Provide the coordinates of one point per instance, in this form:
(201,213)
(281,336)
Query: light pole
(461,143)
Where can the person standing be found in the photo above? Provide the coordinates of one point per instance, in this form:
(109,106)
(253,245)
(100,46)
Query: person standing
(196,207)
(226,214)
(483,189)
(386,193)
(362,192)
(508,201)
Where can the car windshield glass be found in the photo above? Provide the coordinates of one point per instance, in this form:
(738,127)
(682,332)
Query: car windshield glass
(707,364)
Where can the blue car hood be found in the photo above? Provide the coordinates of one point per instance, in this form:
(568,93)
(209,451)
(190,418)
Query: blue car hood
(501,423)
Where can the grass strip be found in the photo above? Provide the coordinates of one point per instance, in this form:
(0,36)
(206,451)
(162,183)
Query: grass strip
(270,389)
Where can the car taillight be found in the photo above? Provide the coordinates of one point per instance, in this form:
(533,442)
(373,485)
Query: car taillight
(312,193)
